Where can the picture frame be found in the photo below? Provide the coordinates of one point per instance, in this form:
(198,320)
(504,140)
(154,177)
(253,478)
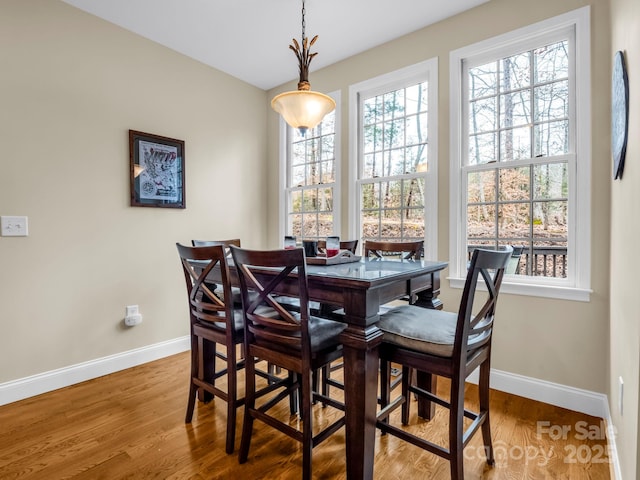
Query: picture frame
(156,170)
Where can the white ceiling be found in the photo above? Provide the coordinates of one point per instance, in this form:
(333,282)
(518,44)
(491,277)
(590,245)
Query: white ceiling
(249,39)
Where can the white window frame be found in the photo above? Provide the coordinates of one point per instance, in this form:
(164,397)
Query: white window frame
(420,72)
(284,135)
(577,285)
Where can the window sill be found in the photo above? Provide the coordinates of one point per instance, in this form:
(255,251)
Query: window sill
(547,291)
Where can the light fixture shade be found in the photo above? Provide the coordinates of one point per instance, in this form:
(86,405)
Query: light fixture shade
(303,109)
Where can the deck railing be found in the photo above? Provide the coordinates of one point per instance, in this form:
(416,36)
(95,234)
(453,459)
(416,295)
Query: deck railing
(536,261)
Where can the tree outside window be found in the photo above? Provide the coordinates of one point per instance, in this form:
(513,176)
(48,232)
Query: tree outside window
(394,164)
(517,159)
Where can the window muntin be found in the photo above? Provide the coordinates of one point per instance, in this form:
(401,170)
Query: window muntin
(311,181)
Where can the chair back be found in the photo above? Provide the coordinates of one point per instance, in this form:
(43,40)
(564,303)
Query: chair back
(350,245)
(474,331)
(206,306)
(210,243)
(404,250)
(263,275)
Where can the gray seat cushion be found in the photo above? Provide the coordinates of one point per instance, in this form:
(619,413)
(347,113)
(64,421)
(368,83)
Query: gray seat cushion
(420,329)
(324,333)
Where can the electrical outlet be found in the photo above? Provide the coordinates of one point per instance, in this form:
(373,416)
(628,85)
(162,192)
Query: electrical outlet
(132,316)
(12,226)
(620,394)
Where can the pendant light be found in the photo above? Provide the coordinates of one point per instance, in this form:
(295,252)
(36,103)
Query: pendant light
(303,109)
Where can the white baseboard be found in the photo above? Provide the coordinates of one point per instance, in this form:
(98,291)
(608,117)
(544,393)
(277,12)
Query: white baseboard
(63,377)
(576,399)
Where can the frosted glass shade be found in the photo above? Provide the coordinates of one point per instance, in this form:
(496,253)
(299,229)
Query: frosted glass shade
(303,109)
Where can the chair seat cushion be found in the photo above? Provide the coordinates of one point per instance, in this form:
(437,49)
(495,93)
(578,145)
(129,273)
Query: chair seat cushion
(324,333)
(421,329)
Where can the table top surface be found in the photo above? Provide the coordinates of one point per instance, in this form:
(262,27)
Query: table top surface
(364,273)
(375,269)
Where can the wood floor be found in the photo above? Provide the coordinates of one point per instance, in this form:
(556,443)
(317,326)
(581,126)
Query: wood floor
(131,425)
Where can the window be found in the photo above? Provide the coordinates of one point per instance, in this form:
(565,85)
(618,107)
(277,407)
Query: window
(395,175)
(311,181)
(520,172)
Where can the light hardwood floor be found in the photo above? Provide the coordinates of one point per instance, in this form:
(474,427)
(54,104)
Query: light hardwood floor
(131,425)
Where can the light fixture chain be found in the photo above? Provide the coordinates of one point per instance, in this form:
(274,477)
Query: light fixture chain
(303,22)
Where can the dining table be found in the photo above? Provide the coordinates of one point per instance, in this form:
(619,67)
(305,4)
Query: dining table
(360,288)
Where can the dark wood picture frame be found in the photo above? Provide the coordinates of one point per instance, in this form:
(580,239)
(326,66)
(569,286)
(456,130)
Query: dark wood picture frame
(156,170)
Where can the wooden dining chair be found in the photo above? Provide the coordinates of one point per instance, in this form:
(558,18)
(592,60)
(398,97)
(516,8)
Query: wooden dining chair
(326,310)
(224,243)
(448,344)
(394,250)
(213,320)
(379,250)
(235,292)
(294,340)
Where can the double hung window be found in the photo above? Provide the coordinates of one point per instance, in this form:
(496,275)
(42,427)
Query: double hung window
(521,154)
(311,181)
(396,151)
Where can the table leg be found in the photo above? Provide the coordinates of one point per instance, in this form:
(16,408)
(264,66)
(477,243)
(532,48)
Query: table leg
(429,298)
(361,364)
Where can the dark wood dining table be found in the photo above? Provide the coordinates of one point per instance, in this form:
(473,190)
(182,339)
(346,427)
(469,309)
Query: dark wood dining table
(360,288)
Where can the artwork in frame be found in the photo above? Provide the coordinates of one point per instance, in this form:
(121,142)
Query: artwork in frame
(156,167)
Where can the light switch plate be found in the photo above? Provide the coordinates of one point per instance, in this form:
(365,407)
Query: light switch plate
(12,226)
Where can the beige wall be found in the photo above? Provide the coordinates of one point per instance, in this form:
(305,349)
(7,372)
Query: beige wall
(625,234)
(71,86)
(558,341)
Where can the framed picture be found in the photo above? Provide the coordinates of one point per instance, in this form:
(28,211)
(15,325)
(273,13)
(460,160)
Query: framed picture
(156,167)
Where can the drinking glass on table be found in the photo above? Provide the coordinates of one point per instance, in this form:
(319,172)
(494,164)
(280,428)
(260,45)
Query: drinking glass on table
(332,246)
